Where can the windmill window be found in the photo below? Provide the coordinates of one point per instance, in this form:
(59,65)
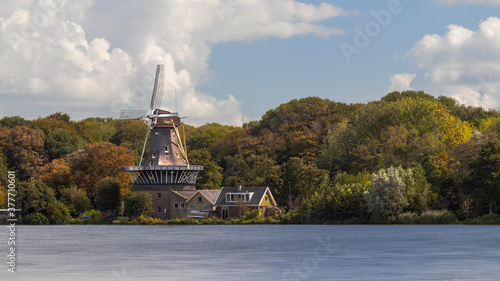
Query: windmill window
(154,155)
(166,149)
(177,155)
(176,205)
(199,199)
(159,210)
(164,210)
(159,195)
(150,163)
(156,132)
(183,206)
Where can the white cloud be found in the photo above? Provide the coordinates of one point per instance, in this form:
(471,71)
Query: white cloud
(47,56)
(401,82)
(464,64)
(466,2)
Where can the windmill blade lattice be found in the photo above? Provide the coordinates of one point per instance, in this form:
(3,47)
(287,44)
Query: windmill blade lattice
(158,89)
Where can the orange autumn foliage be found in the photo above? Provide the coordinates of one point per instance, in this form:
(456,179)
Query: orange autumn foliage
(99,161)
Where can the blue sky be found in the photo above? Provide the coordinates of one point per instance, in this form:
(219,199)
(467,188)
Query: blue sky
(231,61)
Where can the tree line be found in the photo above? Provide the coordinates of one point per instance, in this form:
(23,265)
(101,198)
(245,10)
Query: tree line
(325,161)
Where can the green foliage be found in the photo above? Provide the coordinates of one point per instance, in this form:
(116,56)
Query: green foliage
(211,178)
(138,204)
(93,214)
(34,196)
(76,198)
(130,134)
(61,142)
(484,180)
(437,217)
(148,220)
(35,219)
(255,170)
(58,213)
(108,194)
(303,178)
(251,215)
(407,218)
(386,197)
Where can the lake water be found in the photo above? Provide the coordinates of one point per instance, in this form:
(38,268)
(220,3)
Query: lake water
(253,252)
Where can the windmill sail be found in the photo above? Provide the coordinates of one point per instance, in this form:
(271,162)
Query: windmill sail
(158,89)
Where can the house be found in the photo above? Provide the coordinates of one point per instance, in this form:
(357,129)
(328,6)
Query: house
(178,206)
(202,203)
(233,202)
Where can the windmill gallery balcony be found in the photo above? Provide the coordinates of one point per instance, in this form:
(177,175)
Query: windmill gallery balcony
(163,174)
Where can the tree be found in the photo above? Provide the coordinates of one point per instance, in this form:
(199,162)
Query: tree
(130,134)
(25,150)
(76,198)
(255,170)
(61,142)
(108,194)
(484,181)
(386,196)
(34,196)
(137,204)
(57,212)
(56,175)
(99,161)
(210,178)
(304,179)
(96,129)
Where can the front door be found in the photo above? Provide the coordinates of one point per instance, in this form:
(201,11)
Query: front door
(225,213)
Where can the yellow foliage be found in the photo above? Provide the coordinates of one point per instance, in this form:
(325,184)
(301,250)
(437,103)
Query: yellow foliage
(453,130)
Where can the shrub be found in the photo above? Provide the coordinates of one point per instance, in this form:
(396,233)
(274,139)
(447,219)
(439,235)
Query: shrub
(148,220)
(251,215)
(93,214)
(437,217)
(407,218)
(35,219)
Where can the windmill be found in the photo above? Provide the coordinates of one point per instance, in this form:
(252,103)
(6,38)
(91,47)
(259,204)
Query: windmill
(166,163)
(154,113)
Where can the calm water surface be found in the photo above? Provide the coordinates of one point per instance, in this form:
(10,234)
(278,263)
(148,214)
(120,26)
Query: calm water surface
(254,252)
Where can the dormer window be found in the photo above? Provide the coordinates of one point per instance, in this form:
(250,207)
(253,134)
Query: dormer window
(235,197)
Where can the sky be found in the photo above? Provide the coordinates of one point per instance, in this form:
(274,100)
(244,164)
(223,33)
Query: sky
(230,61)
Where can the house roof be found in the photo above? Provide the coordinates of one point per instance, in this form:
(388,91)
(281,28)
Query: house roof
(184,193)
(258,195)
(210,194)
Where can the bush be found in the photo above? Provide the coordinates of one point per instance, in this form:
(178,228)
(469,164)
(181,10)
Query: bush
(148,220)
(93,214)
(407,218)
(491,219)
(35,219)
(183,221)
(251,215)
(437,217)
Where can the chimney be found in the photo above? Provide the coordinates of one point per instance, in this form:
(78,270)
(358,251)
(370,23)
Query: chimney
(238,187)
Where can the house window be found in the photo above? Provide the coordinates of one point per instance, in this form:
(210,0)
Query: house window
(176,205)
(159,210)
(183,206)
(233,197)
(199,199)
(154,155)
(159,195)
(266,198)
(225,213)
(166,149)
